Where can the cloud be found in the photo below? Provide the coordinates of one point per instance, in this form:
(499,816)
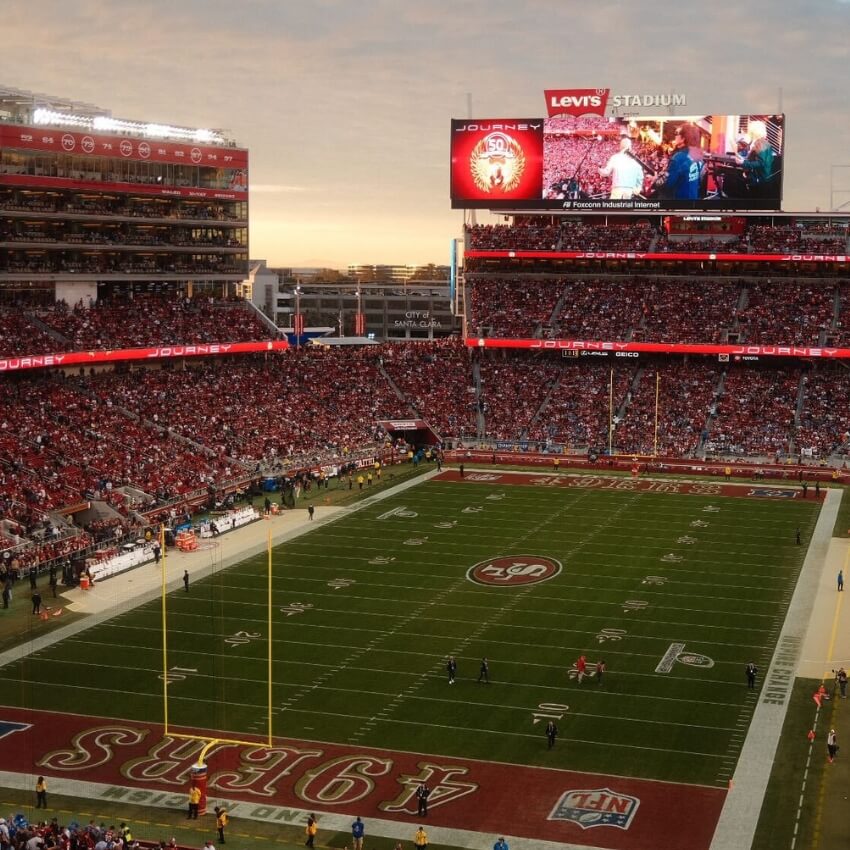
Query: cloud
(345,106)
(276,189)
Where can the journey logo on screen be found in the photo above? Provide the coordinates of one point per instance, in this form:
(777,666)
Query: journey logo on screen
(497,163)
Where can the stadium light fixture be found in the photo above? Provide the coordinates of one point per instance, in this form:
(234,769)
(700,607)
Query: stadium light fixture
(107,124)
(63,119)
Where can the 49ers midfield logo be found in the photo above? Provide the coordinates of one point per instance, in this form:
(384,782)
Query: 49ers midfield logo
(514,570)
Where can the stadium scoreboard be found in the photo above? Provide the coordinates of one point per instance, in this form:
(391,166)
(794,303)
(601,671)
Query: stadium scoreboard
(581,159)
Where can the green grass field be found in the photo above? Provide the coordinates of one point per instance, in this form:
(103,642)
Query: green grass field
(366,610)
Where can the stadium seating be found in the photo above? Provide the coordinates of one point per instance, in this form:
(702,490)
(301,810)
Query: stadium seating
(147,441)
(787,312)
(435,380)
(512,393)
(791,239)
(824,426)
(510,308)
(157,319)
(756,412)
(685,392)
(577,413)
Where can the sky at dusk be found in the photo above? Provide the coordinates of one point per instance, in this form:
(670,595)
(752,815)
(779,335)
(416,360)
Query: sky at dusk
(345,104)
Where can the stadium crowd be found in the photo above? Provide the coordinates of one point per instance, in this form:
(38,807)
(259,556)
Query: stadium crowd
(145,442)
(755,414)
(541,234)
(19,833)
(787,312)
(121,206)
(157,319)
(513,391)
(506,308)
(142,441)
(76,262)
(572,160)
(579,412)
(783,311)
(614,237)
(789,239)
(685,392)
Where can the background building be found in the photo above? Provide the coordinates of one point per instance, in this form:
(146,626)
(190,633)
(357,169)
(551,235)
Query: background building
(396,302)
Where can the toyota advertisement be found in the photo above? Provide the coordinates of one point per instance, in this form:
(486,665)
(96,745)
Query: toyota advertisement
(597,163)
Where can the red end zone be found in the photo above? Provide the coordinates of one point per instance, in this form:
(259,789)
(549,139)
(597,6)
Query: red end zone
(627,485)
(574,808)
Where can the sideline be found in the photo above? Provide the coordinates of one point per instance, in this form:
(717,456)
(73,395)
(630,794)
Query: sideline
(736,828)
(175,801)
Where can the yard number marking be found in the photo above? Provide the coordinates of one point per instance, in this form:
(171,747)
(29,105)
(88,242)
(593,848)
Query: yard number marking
(177,674)
(295,608)
(241,638)
(549,711)
(611,634)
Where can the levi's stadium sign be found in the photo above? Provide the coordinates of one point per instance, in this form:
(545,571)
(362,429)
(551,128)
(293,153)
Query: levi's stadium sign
(596,101)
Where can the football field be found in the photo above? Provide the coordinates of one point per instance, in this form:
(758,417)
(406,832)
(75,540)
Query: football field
(676,586)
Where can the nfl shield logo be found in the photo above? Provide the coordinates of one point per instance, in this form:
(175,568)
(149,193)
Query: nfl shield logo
(596,807)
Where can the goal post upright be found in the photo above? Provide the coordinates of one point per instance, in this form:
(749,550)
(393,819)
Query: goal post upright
(208,740)
(163,591)
(269,627)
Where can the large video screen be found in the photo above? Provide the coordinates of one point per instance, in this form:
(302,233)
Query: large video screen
(672,162)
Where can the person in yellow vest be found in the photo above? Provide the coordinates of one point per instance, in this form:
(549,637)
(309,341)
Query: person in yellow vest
(311,830)
(556,464)
(360,480)
(421,838)
(369,478)
(41,793)
(220,822)
(727,472)
(194,802)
